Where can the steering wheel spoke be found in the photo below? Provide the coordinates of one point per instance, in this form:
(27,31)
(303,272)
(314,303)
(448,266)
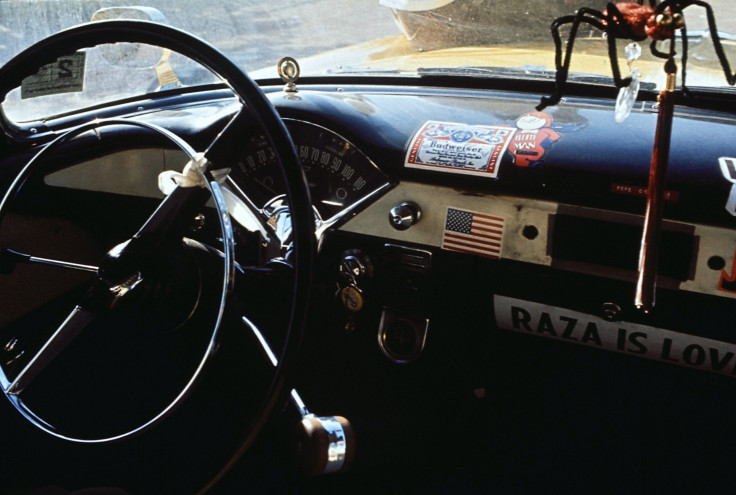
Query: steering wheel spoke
(9,258)
(219,153)
(243,210)
(250,217)
(170,219)
(77,321)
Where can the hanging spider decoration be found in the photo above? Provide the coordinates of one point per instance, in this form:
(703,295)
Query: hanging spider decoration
(635,22)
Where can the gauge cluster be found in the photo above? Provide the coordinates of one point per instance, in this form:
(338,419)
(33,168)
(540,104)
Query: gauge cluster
(338,173)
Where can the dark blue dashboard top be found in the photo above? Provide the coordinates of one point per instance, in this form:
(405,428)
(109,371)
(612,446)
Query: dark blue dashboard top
(574,153)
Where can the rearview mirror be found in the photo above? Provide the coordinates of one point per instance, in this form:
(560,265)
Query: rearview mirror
(131,55)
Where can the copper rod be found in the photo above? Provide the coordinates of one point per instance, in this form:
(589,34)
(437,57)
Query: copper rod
(649,249)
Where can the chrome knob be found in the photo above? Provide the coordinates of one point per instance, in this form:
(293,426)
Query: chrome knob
(404,215)
(324,445)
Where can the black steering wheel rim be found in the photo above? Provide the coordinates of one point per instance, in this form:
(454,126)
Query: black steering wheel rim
(261,112)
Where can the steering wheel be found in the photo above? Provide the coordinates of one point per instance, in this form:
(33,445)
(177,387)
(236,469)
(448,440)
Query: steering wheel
(149,271)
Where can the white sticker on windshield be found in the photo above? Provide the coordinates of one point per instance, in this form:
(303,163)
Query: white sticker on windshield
(66,75)
(459,148)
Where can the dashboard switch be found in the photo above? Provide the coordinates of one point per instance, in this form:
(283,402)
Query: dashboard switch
(404,215)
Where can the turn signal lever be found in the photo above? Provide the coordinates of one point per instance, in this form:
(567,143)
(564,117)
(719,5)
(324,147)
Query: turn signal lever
(324,444)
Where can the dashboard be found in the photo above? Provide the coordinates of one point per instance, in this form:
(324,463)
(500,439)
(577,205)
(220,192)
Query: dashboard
(521,336)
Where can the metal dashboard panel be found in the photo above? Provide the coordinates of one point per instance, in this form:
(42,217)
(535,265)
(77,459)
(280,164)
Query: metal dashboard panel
(131,172)
(434,202)
(528,234)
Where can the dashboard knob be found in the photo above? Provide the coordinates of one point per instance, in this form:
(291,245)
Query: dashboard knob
(324,445)
(404,215)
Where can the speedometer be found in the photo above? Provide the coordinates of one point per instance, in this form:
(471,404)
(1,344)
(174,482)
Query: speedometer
(338,173)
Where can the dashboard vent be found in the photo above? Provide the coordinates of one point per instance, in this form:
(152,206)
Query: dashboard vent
(406,274)
(614,244)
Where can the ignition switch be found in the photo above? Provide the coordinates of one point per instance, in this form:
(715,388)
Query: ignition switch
(355,265)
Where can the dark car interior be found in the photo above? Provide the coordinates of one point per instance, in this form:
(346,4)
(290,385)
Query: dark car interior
(329,334)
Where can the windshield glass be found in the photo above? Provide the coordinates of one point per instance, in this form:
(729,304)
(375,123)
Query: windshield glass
(478,38)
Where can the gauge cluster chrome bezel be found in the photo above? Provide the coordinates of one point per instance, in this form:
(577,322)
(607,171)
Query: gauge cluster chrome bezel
(270,209)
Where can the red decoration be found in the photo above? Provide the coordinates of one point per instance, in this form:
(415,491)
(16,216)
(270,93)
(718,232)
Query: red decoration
(643,22)
(636,16)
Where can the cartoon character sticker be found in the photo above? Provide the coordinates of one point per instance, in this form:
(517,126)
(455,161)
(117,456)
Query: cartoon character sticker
(532,139)
(727,282)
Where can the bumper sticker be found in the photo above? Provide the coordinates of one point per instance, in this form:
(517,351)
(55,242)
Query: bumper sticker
(627,338)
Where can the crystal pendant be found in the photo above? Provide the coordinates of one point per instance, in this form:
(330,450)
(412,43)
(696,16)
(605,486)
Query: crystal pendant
(627,97)
(632,52)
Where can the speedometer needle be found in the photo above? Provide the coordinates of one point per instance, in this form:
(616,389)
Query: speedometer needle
(263,184)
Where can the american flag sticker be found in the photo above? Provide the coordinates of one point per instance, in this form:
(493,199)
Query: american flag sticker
(473,232)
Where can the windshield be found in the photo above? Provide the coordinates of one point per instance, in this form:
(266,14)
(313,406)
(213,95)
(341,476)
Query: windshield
(479,38)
